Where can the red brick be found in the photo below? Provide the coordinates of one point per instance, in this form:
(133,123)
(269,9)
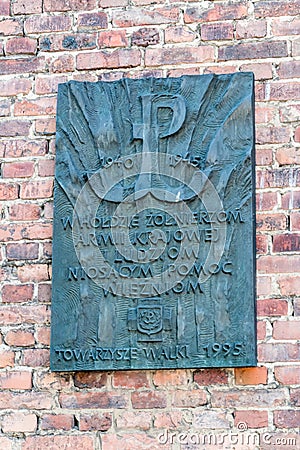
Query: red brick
(112,38)
(286,330)
(264,286)
(141,420)
(112,3)
(19,422)
(285,26)
(43,336)
(271,222)
(178,34)
(278,264)
(45,126)
(49,84)
(289,285)
(261,330)
(22,65)
(182,55)
(5,108)
(70,5)
(38,107)
(170,378)
(261,398)
(287,375)
(145,36)
(286,155)
(283,177)
(297,134)
(130,380)
(8,191)
(16,380)
(14,127)
(57,422)
(261,243)
(6,443)
(92,21)
(257,50)
(19,338)
(58,442)
(286,243)
(251,375)
(246,29)
(47,24)
(272,135)
(148,400)
(189,399)
(295,396)
(217,31)
(22,169)
(11,27)
(262,71)
(275,8)
(289,69)
(90,380)
(94,400)
(7,358)
(27,6)
(216,12)
(21,45)
(5,8)
(272,307)
(253,419)
(291,200)
(24,211)
(61,42)
(17,293)
(98,422)
(36,189)
(16,315)
(278,352)
(114,59)
(206,377)
(14,87)
(284,91)
(18,148)
(44,293)
(138,17)
(266,201)
(296,47)
(287,418)
(63,63)
(36,357)
(33,272)
(183,71)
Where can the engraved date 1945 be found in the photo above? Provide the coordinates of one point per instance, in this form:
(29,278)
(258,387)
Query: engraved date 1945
(226,349)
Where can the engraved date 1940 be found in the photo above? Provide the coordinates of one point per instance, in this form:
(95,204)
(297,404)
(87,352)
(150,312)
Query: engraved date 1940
(226,349)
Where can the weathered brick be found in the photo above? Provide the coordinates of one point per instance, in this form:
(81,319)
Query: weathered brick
(261,243)
(6,443)
(206,377)
(90,380)
(112,3)
(295,396)
(8,191)
(37,357)
(70,5)
(17,293)
(46,168)
(286,243)
(47,24)
(19,338)
(271,222)
(92,21)
(251,375)
(296,47)
(138,17)
(36,189)
(16,315)
(257,50)
(253,418)
(289,69)
(217,31)
(112,38)
(43,335)
(14,127)
(284,91)
(287,418)
(261,398)
(22,65)
(7,358)
(63,63)
(272,307)
(22,169)
(24,211)
(189,399)
(93,400)
(27,6)
(130,380)
(285,26)
(264,286)
(215,12)
(278,264)
(18,148)
(145,36)
(57,422)
(5,8)
(266,201)
(289,285)
(33,272)
(38,107)
(288,155)
(21,45)
(45,126)
(99,422)
(262,71)
(141,420)
(261,330)
(278,352)
(58,442)
(148,400)
(290,200)
(61,42)
(16,380)
(178,34)
(209,420)
(48,84)
(246,29)
(287,375)
(170,378)
(286,329)
(14,87)
(180,55)
(5,108)
(114,59)
(44,293)
(11,27)
(129,441)
(276,9)
(26,400)
(19,422)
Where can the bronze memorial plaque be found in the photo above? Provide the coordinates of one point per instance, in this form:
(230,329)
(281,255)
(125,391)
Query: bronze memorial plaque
(154,219)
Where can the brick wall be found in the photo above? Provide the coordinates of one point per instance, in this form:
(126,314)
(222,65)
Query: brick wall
(46,42)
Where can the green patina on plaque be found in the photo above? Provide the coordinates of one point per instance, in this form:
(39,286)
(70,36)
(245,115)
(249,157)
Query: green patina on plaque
(154,219)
